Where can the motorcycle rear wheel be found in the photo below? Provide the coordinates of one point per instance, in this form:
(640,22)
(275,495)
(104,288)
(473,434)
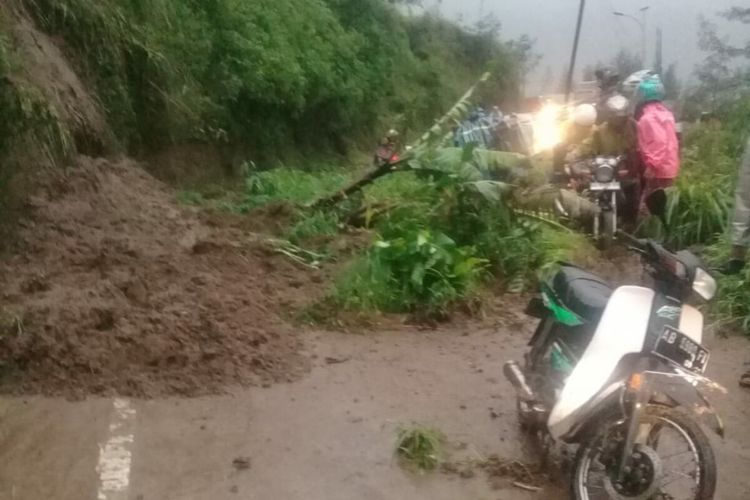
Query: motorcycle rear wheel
(591,451)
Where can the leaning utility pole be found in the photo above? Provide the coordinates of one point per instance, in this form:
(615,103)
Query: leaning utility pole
(574,54)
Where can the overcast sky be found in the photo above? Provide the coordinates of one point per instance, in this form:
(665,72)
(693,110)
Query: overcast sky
(552,24)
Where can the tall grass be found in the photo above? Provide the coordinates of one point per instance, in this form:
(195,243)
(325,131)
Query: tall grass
(292,185)
(698,209)
(701,202)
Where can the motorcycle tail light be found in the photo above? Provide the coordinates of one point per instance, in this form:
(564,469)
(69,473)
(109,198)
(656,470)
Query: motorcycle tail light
(635,382)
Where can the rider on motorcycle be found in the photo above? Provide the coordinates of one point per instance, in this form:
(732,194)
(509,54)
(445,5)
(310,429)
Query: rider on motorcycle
(616,136)
(613,137)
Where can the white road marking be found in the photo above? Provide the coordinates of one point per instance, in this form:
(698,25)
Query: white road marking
(115,456)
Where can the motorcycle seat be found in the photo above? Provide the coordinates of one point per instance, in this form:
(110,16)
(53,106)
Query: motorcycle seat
(584,293)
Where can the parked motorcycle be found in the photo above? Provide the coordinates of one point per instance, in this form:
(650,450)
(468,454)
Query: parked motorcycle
(619,373)
(599,180)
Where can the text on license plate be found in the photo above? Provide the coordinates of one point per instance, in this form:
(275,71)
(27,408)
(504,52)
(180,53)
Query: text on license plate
(682,350)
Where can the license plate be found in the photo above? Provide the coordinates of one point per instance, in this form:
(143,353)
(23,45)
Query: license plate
(680,349)
(605,186)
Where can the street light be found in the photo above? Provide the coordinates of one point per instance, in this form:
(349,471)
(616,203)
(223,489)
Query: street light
(642,24)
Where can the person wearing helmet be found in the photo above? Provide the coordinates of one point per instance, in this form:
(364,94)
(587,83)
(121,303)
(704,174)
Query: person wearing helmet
(615,136)
(612,137)
(575,129)
(657,138)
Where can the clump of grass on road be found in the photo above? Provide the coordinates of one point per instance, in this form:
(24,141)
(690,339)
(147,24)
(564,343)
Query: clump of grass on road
(420,447)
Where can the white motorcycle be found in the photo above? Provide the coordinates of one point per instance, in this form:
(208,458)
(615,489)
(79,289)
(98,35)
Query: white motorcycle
(620,374)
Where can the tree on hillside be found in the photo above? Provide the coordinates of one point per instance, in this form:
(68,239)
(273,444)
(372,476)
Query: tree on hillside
(724,73)
(741,14)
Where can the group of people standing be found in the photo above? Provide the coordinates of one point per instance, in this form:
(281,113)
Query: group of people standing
(634,124)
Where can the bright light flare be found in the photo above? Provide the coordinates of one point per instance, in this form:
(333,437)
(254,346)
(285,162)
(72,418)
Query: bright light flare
(547,127)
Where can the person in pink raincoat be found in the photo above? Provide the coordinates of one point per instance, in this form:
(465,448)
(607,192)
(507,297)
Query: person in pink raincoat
(658,145)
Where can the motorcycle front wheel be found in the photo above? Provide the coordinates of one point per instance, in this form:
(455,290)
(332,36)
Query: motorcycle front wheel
(607,229)
(672,460)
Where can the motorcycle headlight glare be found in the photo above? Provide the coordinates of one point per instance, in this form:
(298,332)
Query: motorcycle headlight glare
(704,284)
(604,173)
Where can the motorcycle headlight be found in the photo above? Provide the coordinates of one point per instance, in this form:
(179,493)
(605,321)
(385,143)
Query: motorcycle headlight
(704,284)
(604,173)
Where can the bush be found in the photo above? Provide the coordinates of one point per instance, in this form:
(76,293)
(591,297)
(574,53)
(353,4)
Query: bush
(701,202)
(485,222)
(274,77)
(422,269)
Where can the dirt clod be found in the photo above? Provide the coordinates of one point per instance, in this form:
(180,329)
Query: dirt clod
(114,303)
(241,463)
(330,360)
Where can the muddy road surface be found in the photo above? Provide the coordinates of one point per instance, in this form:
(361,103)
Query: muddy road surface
(328,436)
(160,338)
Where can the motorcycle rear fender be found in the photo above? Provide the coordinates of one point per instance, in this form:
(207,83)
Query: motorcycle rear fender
(685,390)
(620,332)
(562,314)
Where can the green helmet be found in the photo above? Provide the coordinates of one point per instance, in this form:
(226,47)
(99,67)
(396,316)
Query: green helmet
(651,89)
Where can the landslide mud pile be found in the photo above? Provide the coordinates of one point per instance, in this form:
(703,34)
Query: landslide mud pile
(114,289)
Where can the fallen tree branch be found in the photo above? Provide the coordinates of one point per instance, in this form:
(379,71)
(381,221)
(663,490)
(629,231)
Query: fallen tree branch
(427,141)
(360,183)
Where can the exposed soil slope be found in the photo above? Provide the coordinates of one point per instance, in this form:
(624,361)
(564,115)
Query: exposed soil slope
(45,67)
(115,289)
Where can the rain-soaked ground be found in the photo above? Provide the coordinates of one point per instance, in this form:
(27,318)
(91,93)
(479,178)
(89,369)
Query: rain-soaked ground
(329,436)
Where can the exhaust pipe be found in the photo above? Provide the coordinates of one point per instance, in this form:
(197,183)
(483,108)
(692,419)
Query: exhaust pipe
(515,376)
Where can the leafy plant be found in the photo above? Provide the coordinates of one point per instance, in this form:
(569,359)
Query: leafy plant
(422,269)
(420,447)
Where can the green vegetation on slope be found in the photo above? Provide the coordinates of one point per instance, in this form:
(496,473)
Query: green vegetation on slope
(270,76)
(701,203)
(28,122)
(437,237)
